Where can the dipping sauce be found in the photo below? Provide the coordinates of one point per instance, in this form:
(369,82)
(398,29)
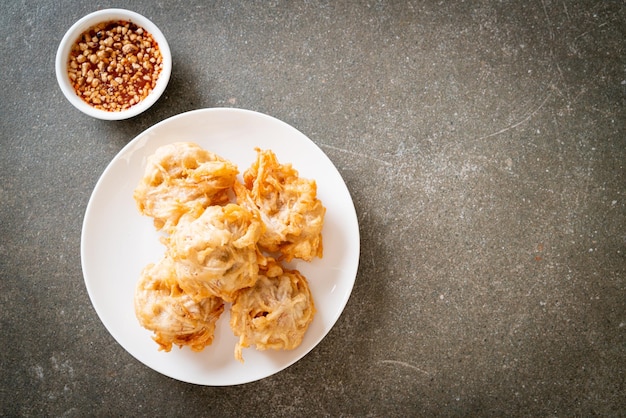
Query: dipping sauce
(114,65)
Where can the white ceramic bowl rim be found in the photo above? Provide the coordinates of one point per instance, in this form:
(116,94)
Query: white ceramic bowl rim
(87,22)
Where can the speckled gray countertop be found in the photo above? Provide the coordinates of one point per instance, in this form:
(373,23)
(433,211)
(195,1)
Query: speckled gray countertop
(483,144)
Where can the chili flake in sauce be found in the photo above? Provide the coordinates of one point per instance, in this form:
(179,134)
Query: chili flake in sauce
(114,65)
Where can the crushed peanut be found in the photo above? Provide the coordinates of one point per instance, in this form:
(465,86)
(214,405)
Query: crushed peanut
(114,65)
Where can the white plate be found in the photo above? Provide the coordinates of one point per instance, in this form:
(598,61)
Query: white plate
(117,242)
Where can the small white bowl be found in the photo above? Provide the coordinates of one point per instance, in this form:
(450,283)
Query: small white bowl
(92,19)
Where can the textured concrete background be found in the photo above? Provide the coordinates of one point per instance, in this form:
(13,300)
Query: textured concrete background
(483,143)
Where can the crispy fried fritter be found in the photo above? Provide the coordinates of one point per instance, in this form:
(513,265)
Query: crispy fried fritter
(273,314)
(214,249)
(216,253)
(180,178)
(175,317)
(289,207)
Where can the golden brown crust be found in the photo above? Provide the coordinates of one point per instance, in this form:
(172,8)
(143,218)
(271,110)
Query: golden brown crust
(174,317)
(180,178)
(289,207)
(215,254)
(214,249)
(273,314)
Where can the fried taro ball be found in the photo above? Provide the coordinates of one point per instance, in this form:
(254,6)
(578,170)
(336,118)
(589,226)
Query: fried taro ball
(273,314)
(289,207)
(180,178)
(174,317)
(216,254)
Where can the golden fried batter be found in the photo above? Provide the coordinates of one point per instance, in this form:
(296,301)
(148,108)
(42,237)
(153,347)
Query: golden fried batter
(273,314)
(175,317)
(180,178)
(216,253)
(289,207)
(214,249)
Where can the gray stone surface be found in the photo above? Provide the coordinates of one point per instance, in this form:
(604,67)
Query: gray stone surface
(483,144)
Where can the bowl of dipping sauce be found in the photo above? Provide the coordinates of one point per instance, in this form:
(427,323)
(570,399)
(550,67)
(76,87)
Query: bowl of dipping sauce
(113,64)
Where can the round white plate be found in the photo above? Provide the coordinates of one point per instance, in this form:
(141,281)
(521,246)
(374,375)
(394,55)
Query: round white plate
(117,242)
